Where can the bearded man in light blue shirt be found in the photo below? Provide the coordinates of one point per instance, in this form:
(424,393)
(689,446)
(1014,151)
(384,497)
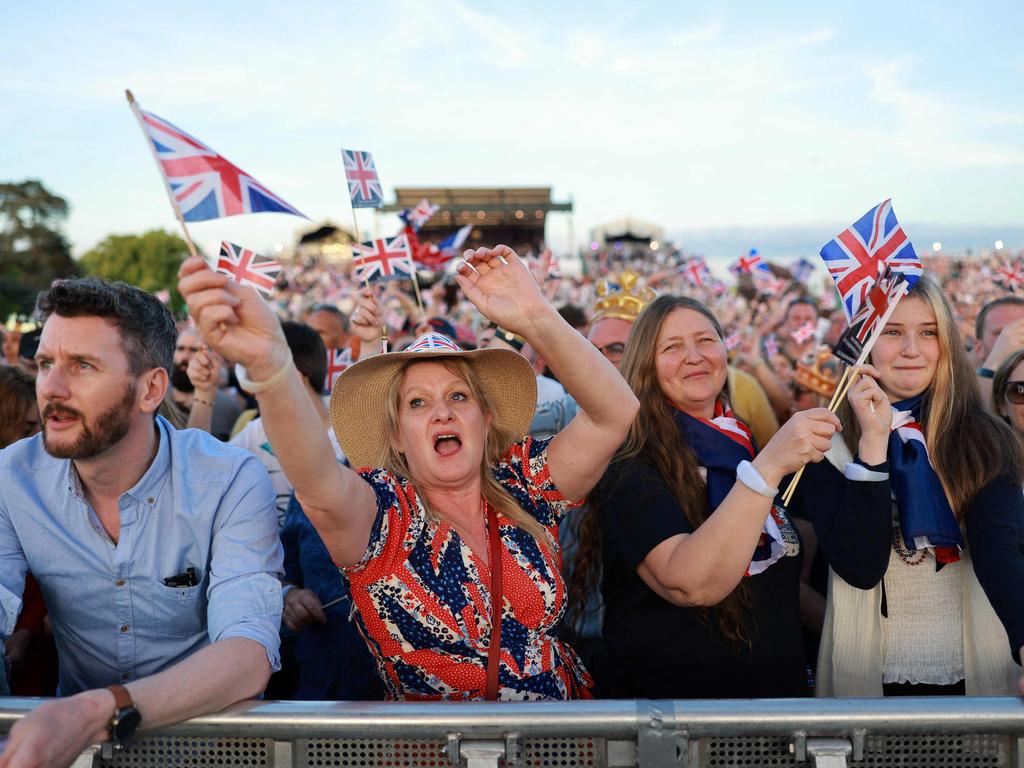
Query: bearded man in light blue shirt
(157,550)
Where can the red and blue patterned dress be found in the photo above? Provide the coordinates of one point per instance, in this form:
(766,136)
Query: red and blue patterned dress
(423,604)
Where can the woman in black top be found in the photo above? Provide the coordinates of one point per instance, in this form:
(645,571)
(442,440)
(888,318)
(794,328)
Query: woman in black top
(920,514)
(673,533)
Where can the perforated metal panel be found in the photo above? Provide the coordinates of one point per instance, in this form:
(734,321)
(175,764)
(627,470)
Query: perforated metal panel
(370,753)
(879,752)
(189,752)
(556,753)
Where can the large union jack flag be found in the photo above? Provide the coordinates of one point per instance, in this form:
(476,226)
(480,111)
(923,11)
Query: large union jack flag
(203,183)
(363,183)
(389,258)
(859,255)
(247,268)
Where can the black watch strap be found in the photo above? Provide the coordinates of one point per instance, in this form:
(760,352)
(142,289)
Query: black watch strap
(986,373)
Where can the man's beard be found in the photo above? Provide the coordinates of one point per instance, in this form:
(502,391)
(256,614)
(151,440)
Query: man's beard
(109,428)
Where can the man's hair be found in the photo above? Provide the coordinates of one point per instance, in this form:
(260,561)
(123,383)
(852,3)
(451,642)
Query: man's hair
(147,329)
(308,352)
(809,301)
(573,315)
(979,321)
(332,310)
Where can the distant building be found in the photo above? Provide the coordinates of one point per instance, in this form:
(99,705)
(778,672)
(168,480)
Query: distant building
(514,216)
(328,242)
(628,231)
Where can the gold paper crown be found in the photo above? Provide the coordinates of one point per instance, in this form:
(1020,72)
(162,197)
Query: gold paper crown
(821,377)
(625,303)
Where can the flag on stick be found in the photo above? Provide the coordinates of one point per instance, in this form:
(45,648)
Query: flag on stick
(202,183)
(744,265)
(364,187)
(248,268)
(859,255)
(1010,277)
(419,215)
(337,361)
(385,259)
(890,289)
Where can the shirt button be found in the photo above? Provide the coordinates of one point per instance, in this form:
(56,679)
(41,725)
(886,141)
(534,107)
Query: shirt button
(125,675)
(119,583)
(151,500)
(124,627)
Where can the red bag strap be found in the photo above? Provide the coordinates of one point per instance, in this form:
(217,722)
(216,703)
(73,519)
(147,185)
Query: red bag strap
(494,650)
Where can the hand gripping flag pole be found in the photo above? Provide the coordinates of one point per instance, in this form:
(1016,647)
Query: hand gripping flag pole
(170,194)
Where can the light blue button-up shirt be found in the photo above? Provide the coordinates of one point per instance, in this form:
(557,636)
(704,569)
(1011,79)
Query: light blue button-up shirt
(201,504)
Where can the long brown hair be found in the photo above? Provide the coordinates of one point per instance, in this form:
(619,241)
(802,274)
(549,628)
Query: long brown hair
(655,439)
(967,444)
(497,442)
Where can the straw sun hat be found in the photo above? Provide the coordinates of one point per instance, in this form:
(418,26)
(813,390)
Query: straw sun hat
(357,400)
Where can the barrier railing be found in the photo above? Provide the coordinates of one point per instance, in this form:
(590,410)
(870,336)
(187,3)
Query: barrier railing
(905,732)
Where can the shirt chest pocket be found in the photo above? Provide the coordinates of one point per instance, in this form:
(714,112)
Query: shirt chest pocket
(175,611)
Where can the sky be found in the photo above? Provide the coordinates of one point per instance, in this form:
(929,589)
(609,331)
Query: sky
(726,123)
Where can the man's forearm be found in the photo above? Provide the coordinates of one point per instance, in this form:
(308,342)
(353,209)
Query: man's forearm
(209,680)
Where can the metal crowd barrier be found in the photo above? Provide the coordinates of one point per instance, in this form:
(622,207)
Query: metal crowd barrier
(827,733)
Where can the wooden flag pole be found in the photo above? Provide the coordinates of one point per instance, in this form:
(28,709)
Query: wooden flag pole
(170,193)
(842,389)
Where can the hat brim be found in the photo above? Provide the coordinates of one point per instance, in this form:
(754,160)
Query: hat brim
(358,407)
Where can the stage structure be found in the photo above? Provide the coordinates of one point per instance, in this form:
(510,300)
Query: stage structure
(628,231)
(515,216)
(326,243)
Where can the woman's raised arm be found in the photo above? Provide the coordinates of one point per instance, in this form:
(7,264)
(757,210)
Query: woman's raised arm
(238,324)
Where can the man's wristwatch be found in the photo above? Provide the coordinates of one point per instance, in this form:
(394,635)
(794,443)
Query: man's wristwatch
(125,721)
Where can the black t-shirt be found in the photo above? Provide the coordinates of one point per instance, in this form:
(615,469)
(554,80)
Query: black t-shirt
(654,649)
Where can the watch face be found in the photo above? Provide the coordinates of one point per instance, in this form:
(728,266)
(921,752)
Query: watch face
(124,724)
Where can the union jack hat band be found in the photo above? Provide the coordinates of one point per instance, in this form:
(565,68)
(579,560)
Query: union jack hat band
(358,397)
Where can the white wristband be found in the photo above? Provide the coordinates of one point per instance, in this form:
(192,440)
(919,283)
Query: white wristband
(747,474)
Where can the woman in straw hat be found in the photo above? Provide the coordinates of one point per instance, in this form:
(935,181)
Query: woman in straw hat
(451,506)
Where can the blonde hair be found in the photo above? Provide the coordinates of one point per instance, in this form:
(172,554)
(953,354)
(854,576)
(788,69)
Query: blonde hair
(968,446)
(497,442)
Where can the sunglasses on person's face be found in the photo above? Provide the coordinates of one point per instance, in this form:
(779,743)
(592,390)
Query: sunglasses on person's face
(1015,392)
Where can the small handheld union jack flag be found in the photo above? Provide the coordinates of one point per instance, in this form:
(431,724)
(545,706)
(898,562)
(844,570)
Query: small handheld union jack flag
(363,184)
(860,254)
(337,361)
(202,183)
(744,265)
(890,288)
(419,215)
(804,333)
(801,270)
(766,282)
(389,258)
(247,268)
(1010,277)
(696,271)
(433,342)
(770,344)
(732,340)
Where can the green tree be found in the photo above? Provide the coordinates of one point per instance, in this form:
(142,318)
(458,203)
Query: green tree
(33,252)
(149,261)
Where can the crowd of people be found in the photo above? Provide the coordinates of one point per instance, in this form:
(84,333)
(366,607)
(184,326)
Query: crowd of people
(527,487)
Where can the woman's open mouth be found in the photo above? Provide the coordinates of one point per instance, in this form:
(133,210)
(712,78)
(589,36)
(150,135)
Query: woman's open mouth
(447,444)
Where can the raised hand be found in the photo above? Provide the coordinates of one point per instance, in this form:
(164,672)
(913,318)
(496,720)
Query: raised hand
(203,370)
(233,319)
(367,317)
(499,284)
(871,407)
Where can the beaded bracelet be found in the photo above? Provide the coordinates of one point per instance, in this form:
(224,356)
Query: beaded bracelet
(262,386)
